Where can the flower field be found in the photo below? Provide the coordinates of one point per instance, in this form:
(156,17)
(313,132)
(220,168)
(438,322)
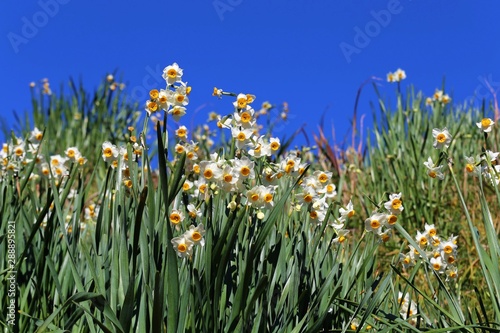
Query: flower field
(114,220)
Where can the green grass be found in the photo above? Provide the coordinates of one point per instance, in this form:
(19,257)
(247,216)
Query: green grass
(94,245)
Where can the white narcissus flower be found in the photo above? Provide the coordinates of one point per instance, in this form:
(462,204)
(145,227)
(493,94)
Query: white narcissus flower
(274,144)
(195,234)
(434,171)
(391,77)
(241,136)
(176,216)
(486,124)
(341,236)
(442,136)
(36,135)
(109,151)
(437,264)
(183,246)
(73,153)
(374,223)
(172,74)
(394,205)
(348,211)
(400,74)
(177,112)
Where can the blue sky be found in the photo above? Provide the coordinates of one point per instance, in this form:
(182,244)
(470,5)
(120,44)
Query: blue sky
(312,54)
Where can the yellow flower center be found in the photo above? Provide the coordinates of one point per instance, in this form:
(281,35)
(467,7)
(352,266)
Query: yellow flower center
(448,249)
(55,162)
(432,232)
(308,198)
(486,122)
(432,174)
(313,215)
(179,149)
(39,136)
(396,204)
(441,138)
(202,188)
(228,178)
(351,213)
(154,94)
(181,132)
(469,167)
(268,197)
(246,117)
(423,241)
(450,260)
(190,155)
(172,73)
(71,153)
(323,178)
(175,218)
(242,103)
(342,239)
(436,266)
(196,168)
(208,174)
(375,224)
(392,219)
(186,187)
(19,151)
(182,248)
(241,136)
(245,171)
(179,98)
(275,146)
(152,106)
(254,197)
(329,188)
(196,236)
(128,183)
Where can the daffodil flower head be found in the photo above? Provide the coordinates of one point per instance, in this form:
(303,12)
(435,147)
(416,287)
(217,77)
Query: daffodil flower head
(486,124)
(183,246)
(195,234)
(374,223)
(172,74)
(442,138)
(395,204)
(434,171)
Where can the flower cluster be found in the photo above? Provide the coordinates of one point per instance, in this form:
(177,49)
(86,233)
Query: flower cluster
(407,308)
(438,96)
(398,76)
(485,164)
(174,98)
(382,223)
(15,155)
(442,139)
(185,243)
(119,156)
(441,253)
